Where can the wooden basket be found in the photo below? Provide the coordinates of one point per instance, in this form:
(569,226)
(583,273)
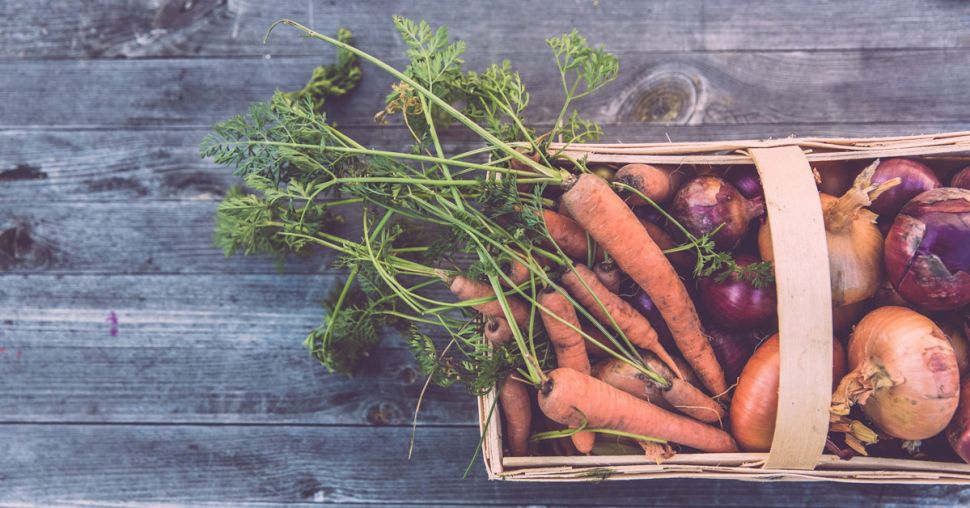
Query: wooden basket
(804,323)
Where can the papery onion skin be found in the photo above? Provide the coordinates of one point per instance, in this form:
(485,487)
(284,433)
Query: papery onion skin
(958,339)
(904,374)
(928,250)
(853,240)
(736,303)
(915,178)
(958,431)
(961,180)
(755,403)
(707,202)
(746,180)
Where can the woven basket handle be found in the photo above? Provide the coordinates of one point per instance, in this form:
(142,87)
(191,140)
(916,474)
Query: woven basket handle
(804,306)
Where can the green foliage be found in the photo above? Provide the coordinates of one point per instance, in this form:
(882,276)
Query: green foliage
(331,80)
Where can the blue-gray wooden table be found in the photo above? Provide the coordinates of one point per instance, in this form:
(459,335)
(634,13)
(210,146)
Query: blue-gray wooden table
(138,365)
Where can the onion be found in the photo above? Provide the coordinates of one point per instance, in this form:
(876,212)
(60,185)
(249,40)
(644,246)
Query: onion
(844,317)
(887,295)
(854,242)
(755,402)
(958,432)
(640,301)
(733,349)
(915,178)
(904,374)
(707,202)
(928,250)
(737,303)
(962,179)
(746,180)
(955,334)
(835,177)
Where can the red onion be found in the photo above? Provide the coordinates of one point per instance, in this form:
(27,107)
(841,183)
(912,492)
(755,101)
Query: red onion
(961,179)
(915,178)
(958,432)
(746,180)
(926,251)
(736,303)
(732,349)
(640,301)
(707,202)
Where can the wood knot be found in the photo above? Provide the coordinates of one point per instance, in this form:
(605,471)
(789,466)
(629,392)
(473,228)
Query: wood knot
(384,413)
(664,96)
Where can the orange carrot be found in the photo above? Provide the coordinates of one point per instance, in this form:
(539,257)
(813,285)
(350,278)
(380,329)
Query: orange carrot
(516,270)
(682,259)
(631,323)
(616,229)
(567,234)
(468,289)
(609,275)
(655,182)
(572,398)
(568,344)
(497,331)
(517,412)
(680,396)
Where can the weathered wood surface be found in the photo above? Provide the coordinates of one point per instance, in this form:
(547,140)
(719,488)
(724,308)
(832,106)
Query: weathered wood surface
(205,393)
(228,463)
(695,88)
(203,28)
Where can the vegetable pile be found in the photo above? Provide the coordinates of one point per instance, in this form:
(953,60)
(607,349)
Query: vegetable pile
(607,304)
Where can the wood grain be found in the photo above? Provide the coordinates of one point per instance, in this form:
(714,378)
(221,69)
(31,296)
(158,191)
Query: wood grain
(224,464)
(163,164)
(202,28)
(700,88)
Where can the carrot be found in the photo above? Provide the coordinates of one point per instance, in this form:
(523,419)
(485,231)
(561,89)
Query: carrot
(468,289)
(517,412)
(684,396)
(568,344)
(655,182)
(616,229)
(682,259)
(631,323)
(572,398)
(609,275)
(623,376)
(680,395)
(497,331)
(568,235)
(516,270)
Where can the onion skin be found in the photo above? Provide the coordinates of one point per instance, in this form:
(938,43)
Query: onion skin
(927,253)
(958,432)
(746,180)
(736,303)
(732,349)
(755,403)
(958,339)
(961,180)
(835,177)
(854,242)
(915,178)
(707,202)
(904,374)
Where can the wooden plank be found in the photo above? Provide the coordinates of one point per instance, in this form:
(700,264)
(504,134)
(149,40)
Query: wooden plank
(200,348)
(224,464)
(727,88)
(148,28)
(127,238)
(160,164)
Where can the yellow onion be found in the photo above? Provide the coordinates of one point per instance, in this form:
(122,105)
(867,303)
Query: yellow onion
(755,403)
(904,374)
(853,239)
